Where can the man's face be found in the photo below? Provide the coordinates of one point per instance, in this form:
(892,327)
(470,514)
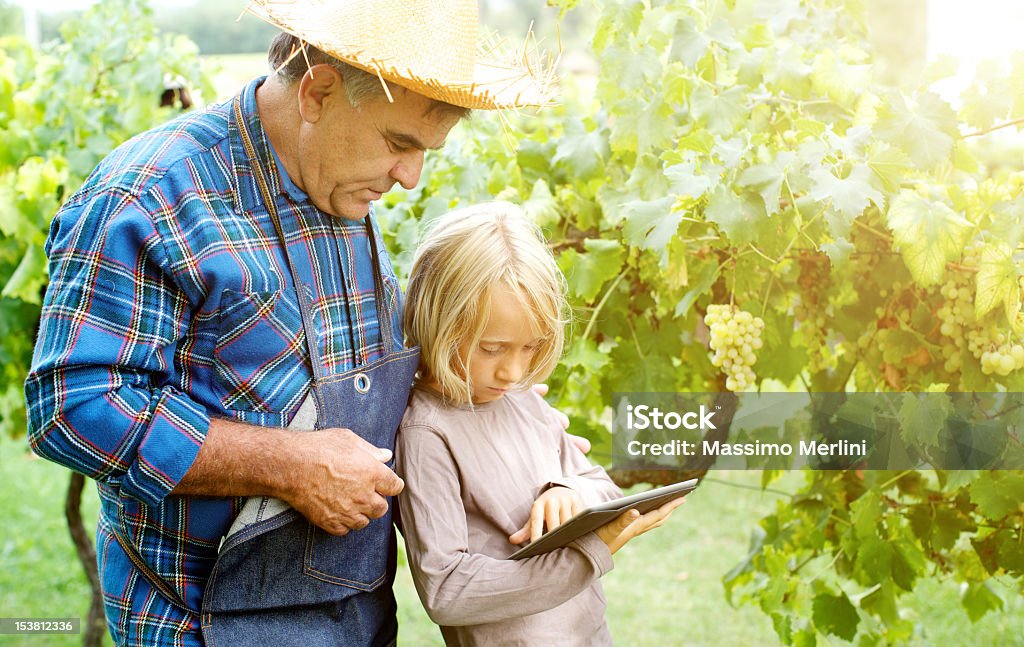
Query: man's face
(349,156)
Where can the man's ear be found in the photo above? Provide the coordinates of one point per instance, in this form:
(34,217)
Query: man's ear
(320,85)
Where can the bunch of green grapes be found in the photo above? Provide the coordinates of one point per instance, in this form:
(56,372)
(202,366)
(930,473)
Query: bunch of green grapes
(957,317)
(998,351)
(813,309)
(735,336)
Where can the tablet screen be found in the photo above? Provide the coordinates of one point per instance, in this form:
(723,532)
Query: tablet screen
(596,516)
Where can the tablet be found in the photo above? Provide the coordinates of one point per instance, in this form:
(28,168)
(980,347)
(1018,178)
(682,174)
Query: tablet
(596,516)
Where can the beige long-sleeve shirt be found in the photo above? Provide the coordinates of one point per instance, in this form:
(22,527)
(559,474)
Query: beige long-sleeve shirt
(471,477)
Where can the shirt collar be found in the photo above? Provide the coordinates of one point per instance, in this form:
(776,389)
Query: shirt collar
(289,187)
(248,197)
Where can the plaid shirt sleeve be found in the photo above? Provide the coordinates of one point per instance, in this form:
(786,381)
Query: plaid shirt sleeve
(98,401)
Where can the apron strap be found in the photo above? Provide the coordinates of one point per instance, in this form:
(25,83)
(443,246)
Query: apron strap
(300,287)
(387,339)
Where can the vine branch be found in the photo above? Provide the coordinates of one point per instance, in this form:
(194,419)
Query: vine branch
(990,129)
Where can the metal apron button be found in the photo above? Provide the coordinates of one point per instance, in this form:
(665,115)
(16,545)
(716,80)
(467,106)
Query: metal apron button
(361,383)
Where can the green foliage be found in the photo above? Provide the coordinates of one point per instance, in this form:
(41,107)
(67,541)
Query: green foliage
(61,110)
(11,19)
(733,152)
(742,152)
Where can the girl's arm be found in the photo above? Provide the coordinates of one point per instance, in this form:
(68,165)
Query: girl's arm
(458,587)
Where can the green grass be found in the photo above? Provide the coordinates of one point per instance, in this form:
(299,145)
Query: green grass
(665,589)
(40,575)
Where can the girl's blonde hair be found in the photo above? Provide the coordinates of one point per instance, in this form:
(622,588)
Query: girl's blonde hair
(462,258)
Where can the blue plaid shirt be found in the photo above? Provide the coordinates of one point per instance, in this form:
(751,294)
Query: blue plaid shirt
(170,301)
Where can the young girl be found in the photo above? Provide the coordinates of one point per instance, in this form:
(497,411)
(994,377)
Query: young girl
(485,460)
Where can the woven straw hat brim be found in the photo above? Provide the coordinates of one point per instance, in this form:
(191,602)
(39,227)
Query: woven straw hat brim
(432,47)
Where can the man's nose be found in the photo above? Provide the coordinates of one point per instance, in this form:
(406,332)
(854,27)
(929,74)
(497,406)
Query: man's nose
(408,169)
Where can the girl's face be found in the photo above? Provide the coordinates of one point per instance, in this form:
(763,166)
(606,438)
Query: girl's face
(502,357)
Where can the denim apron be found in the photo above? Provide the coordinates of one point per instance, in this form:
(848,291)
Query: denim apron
(278,579)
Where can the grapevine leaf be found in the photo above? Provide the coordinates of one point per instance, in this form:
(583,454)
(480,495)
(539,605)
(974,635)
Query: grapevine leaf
(541,207)
(534,156)
(698,141)
(789,72)
(741,219)
(38,177)
(882,603)
(805,637)
(1008,222)
(923,417)
(650,224)
(30,276)
(996,281)
(586,273)
(929,235)
(849,196)
(705,279)
(978,598)
(689,43)
(874,558)
(986,100)
(500,177)
(585,354)
(946,528)
(746,565)
(890,165)
(782,357)
(580,153)
(838,251)
(731,151)
(999,495)
(837,78)
(686,181)
(939,528)
(908,562)
(642,125)
(810,127)
(835,614)
(11,220)
(987,554)
(1011,553)
(768,179)
(852,143)
(963,159)
(721,112)
(924,131)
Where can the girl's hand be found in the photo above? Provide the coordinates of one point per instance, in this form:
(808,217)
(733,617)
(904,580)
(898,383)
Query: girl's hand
(632,524)
(552,508)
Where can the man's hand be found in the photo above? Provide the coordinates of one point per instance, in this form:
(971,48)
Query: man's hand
(579,441)
(552,508)
(632,524)
(333,477)
(339,481)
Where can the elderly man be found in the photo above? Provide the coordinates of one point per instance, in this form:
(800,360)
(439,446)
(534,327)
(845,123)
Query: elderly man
(219,275)
(219,283)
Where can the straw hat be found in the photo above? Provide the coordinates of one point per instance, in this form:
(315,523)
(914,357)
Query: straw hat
(431,47)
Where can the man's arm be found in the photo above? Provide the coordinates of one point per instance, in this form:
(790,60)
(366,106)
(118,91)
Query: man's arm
(96,394)
(99,403)
(333,477)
